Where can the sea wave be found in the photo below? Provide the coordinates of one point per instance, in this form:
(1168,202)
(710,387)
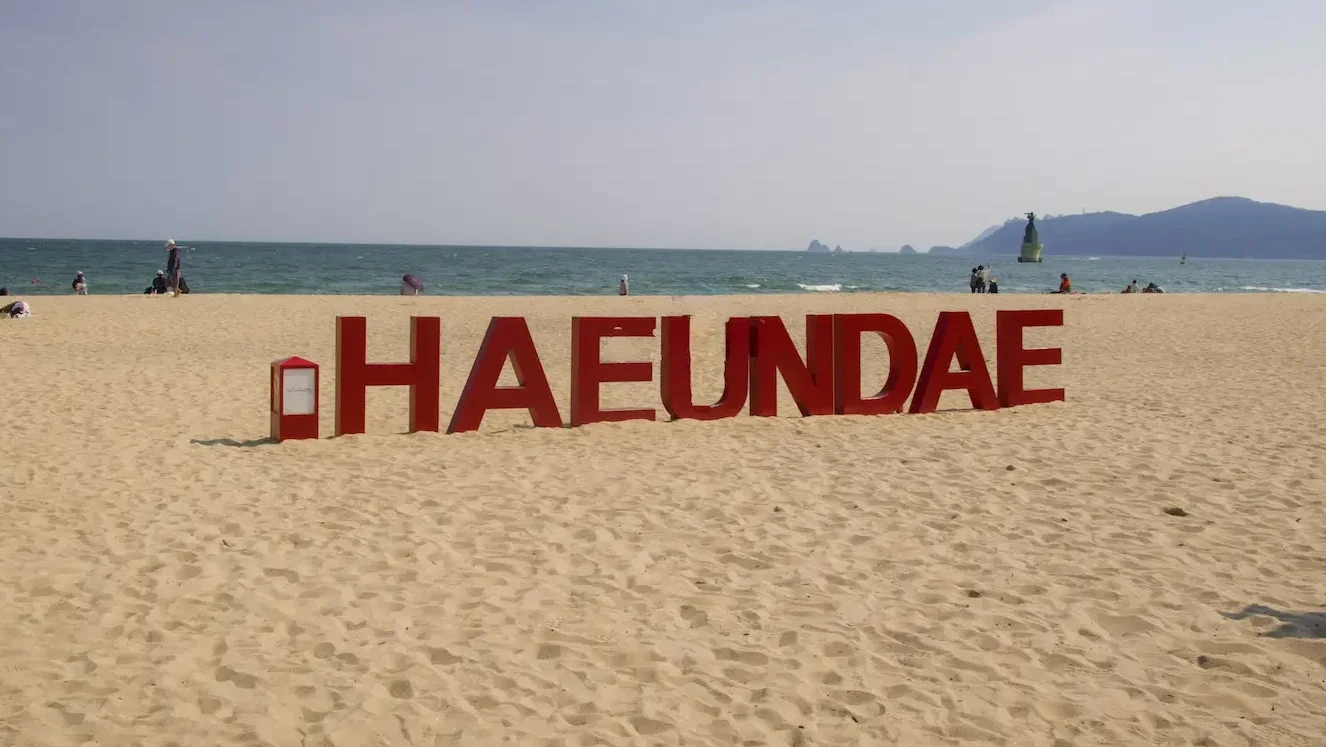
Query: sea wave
(1264,289)
(830,288)
(752,285)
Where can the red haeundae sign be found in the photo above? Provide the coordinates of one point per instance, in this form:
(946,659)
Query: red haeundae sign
(758,352)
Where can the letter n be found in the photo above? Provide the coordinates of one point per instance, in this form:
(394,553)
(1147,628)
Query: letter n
(675,376)
(810,382)
(954,337)
(507,338)
(354,374)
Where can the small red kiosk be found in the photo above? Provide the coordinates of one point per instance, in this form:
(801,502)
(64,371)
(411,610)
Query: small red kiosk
(294,399)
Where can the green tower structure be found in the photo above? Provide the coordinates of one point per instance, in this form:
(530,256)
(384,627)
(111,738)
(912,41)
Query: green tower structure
(1031,244)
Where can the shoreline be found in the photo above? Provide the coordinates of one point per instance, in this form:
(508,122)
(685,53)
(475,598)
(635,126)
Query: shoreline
(774,295)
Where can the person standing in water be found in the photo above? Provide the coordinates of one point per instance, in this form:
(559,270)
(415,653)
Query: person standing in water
(173,267)
(80,284)
(624,287)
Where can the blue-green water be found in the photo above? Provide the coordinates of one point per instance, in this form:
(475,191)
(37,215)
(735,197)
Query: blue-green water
(120,267)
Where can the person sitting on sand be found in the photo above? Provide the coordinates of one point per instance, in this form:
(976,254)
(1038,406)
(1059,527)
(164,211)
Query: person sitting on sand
(158,286)
(15,310)
(4,291)
(80,284)
(1153,288)
(1132,288)
(994,285)
(1065,285)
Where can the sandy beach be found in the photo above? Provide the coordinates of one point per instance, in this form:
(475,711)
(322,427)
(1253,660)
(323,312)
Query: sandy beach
(1015,577)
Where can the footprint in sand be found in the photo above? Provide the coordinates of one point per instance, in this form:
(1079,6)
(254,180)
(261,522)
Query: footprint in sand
(697,618)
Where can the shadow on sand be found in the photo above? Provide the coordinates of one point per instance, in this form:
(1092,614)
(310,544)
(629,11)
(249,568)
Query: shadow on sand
(1294,624)
(232,442)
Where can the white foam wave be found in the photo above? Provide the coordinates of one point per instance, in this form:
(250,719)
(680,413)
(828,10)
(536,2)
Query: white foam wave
(752,285)
(1265,289)
(833,288)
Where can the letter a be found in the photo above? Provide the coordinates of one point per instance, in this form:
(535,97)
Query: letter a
(954,337)
(507,338)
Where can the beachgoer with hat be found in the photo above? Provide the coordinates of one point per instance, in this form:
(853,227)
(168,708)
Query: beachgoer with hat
(158,286)
(173,267)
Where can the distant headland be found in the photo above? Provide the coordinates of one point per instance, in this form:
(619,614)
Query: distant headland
(1229,227)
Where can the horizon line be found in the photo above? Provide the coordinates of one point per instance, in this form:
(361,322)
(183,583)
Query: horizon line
(449,246)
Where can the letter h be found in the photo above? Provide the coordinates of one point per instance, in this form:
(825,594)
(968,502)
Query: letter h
(354,374)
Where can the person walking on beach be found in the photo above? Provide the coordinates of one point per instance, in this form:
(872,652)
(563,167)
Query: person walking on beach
(975,276)
(80,284)
(624,287)
(173,267)
(982,278)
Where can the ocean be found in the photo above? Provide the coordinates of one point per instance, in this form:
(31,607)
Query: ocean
(46,266)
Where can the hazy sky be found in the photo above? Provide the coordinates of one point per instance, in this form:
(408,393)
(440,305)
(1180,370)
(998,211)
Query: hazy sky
(671,123)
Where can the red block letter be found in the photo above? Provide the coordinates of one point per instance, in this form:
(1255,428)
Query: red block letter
(1013,357)
(847,331)
(954,335)
(507,338)
(809,382)
(675,376)
(354,374)
(588,370)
